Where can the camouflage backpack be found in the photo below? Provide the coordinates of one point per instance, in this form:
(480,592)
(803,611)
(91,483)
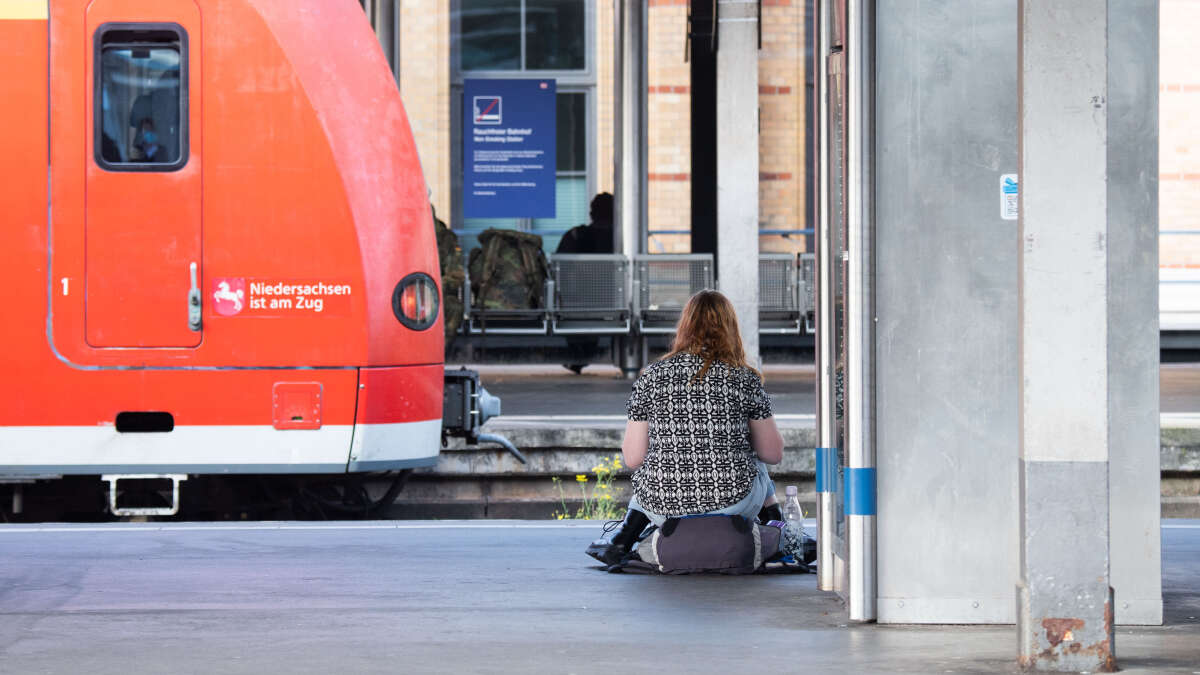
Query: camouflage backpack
(453,276)
(508,270)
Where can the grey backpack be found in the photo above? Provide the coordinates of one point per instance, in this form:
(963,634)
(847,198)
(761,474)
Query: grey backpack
(713,544)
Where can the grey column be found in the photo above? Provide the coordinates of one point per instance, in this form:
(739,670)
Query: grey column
(860,484)
(1134,475)
(630,155)
(824,357)
(1064,599)
(737,163)
(630,213)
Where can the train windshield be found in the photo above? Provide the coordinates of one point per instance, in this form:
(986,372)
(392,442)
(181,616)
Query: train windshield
(141,102)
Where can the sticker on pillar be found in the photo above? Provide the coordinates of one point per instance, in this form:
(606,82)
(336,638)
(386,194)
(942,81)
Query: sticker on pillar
(1009,196)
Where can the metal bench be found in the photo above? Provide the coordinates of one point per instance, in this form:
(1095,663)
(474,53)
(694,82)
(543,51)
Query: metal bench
(590,294)
(779,309)
(662,285)
(482,321)
(808,291)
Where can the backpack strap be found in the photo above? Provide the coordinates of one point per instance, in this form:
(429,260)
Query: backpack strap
(668,527)
(741,525)
(758,552)
(489,255)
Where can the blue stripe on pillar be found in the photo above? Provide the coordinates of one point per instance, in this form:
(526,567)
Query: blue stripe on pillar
(826,469)
(860,491)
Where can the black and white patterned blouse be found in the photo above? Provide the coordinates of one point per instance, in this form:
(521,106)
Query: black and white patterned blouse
(699,458)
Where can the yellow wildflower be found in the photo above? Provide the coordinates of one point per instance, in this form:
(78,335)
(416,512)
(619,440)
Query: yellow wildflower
(581,478)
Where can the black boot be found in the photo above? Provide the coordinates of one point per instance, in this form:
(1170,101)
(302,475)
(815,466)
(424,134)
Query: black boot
(768,513)
(613,552)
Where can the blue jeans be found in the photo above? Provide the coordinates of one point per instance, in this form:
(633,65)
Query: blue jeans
(748,507)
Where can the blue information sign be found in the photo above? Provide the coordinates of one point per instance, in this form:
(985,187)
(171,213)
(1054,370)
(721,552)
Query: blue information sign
(508,148)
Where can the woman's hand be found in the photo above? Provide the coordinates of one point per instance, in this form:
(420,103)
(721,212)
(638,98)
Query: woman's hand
(637,440)
(764,438)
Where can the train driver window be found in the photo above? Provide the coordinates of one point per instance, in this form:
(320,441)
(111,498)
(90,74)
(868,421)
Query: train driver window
(141,97)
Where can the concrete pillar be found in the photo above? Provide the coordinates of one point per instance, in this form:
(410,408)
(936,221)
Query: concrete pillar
(1133,444)
(631,84)
(1064,599)
(737,163)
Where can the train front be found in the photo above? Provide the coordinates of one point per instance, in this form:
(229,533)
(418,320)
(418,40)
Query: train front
(321,226)
(351,241)
(242,266)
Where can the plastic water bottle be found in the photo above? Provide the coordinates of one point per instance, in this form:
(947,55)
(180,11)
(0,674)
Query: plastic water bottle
(793,515)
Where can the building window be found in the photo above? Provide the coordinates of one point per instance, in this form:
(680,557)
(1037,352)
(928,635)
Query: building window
(523,35)
(532,38)
(141,97)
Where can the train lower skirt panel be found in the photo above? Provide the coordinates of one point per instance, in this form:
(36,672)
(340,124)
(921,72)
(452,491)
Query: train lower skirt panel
(217,449)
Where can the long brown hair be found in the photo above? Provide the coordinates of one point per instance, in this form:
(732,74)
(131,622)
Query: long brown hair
(708,328)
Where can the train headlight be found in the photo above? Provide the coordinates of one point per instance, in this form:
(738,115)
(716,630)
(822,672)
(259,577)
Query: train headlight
(415,301)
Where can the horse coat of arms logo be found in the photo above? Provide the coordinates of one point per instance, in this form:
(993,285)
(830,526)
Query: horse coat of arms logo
(229,295)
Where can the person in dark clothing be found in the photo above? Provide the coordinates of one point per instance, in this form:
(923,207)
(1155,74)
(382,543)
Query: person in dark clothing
(595,237)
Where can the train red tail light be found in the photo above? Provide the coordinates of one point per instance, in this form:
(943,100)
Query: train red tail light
(415,301)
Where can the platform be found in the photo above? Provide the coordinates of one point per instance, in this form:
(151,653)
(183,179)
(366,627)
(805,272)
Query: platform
(565,424)
(464,597)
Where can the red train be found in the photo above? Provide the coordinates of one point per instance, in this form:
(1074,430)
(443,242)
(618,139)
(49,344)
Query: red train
(218,254)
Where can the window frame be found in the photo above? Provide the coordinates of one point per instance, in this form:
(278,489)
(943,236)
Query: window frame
(98,47)
(584,75)
(582,81)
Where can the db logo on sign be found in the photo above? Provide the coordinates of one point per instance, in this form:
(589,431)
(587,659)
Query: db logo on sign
(229,295)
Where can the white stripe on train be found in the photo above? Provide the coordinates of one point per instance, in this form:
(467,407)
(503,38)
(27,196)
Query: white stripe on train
(219,448)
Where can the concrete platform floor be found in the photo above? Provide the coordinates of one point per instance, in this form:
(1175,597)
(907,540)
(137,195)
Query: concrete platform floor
(465,597)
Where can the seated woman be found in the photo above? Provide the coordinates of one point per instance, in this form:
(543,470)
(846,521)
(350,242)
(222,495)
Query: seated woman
(700,430)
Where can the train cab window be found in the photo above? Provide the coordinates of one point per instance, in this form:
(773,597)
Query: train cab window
(141,97)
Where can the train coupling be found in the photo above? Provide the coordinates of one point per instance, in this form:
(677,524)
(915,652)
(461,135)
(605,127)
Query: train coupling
(466,405)
(125,488)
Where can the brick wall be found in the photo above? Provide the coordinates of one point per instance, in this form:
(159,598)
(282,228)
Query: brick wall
(781,98)
(1179,132)
(782,164)
(669,135)
(425,87)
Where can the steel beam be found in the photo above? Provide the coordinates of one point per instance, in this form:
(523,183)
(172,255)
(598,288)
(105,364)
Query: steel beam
(826,450)
(631,83)
(860,443)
